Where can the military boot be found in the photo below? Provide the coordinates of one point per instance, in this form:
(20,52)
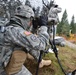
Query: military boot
(44,63)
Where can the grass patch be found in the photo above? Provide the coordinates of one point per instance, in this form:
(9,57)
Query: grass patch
(67,57)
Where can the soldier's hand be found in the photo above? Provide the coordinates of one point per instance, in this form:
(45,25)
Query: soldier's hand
(43,20)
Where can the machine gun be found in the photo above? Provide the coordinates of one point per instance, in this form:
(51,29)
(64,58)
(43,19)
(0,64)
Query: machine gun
(52,22)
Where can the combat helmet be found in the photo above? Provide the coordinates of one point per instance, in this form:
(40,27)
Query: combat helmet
(24,11)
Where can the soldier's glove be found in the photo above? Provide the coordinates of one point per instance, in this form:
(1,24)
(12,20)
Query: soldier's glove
(43,20)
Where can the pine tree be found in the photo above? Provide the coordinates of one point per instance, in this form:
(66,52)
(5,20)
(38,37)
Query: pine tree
(73,25)
(75,28)
(59,29)
(63,27)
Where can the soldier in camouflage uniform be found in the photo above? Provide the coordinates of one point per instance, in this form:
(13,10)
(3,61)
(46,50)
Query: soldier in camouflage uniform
(18,37)
(53,13)
(53,16)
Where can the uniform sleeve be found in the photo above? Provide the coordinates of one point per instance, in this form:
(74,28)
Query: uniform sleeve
(19,36)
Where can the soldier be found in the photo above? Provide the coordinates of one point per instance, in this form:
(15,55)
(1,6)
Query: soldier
(53,13)
(18,37)
(53,16)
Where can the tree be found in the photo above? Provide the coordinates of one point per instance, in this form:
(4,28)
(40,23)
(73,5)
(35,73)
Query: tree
(59,29)
(75,28)
(73,25)
(63,27)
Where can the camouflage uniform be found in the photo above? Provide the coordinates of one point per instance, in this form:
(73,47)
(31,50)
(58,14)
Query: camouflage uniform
(53,16)
(17,35)
(53,13)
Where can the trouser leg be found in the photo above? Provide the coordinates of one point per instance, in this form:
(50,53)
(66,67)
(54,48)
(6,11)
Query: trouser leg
(35,54)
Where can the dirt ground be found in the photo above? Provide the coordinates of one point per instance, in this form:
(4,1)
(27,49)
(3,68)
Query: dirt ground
(67,57)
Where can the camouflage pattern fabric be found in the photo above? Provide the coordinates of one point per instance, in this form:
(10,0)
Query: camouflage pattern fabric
(53,14)
(15,33)
(17,36)
(24,71)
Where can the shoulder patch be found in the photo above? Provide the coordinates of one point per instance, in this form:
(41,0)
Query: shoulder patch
(34,38)
(27,33)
